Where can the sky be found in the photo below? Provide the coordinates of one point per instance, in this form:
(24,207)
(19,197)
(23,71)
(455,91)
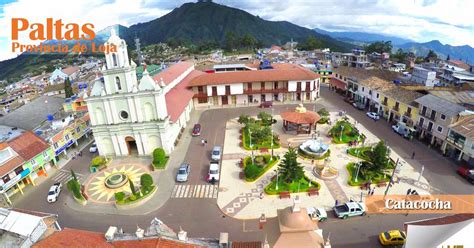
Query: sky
(449,21)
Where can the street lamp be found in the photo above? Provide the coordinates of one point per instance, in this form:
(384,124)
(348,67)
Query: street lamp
(271,126)
(251,146)
(276,187)
(357,174)
(421,173)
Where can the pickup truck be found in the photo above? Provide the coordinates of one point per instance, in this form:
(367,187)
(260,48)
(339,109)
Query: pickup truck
(349,209)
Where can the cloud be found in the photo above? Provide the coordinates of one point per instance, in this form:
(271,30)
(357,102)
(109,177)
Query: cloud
(449,21)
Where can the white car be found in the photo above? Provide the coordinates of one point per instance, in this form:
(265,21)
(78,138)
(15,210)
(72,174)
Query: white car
(93,148)
(213,172)
(54,192)
(317,213)
(373,115)
(216,153)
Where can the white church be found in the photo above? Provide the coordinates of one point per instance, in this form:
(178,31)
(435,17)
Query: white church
(133,117)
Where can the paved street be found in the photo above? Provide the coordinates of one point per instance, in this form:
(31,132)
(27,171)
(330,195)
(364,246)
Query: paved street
(193,205)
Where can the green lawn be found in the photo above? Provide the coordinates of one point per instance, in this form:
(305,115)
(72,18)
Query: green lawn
(252,171)
(161,165)
(360,152)
(347,133)
(246,142)
(293,187)
(361,178)
(129,199)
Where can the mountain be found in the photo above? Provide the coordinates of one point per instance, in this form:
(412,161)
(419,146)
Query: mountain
(455,52)
(362,37)
(194,23)
(206,21)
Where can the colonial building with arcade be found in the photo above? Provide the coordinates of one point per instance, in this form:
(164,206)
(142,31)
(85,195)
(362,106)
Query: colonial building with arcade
(134,116)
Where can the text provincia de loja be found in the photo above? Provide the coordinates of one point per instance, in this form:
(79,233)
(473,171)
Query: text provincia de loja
(63,48)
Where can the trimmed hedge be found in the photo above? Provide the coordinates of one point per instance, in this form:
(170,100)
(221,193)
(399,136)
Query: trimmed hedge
(253,171)
(292,188)
(75,188)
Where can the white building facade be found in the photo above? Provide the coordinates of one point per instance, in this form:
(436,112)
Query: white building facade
(131,117)
(423,76)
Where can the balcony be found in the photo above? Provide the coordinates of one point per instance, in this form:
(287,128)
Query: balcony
(260,91)
(428,116)
(456,142)
(200,95)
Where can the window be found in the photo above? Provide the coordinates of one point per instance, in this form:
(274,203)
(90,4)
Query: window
(363,89)
(440,129)
(78,129)
(123,115)
(370,92)
(45,154)
(200,89)
(117,83)
(55,146)
(443,117)
(33,162)
(19,169)
(114,58)
(66,137)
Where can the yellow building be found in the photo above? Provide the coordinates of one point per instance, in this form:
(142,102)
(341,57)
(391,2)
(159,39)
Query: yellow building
(398,105)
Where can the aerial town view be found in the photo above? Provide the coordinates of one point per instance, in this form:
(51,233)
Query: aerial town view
(236,124)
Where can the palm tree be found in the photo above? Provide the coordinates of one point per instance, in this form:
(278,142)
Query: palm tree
(289,169)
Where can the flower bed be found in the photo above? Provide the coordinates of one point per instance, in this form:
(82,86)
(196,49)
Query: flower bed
(304,185)
(135,200)
(362,178)
(349,133)
(266,144)
(253,171)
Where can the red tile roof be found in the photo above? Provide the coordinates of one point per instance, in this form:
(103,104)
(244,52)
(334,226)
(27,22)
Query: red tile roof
(28,145)
(70,70)
(171,73)
(308,117)
(11,165)
(281,72)
(153,243)
(78,238)
(178,98)
(74,238)
(338,83)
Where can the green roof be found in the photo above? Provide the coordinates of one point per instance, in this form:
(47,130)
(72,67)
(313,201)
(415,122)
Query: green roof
(152,69)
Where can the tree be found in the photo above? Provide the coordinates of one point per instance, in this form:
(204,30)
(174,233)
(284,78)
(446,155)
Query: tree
(132,187)
(244,119)
(289,169)
(146,182)
(379,47)
(230,41)
(265,117)
(158,155)
(68,88)
(73,175)
(400,55)
(311,43)
(380,156)
(431,56)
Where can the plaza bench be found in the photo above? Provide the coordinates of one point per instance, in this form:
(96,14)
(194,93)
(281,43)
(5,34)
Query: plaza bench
(313,191)
(284,194)
(381,184)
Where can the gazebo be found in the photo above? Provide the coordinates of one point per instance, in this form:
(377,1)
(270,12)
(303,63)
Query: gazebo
(300,120)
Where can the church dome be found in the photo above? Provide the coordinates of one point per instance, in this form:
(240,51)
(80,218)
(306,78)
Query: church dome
(292,221)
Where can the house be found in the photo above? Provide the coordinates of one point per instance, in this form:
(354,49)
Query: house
(423,76)
(448,231)
(64,130)
(453,75)
(23,157)
(358,59)
(398,105)
(275,49)
(157,235)
(23,228)
(434,118)
(59,75)
(397,67)
(131,116)
(464,98)
(276,82)
(460,140)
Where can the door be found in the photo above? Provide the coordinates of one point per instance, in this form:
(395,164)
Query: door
(224,100)
(131,146)
(234,100)
(262,98)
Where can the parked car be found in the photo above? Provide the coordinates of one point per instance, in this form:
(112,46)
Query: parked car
(349,100)
(349,209)
(183,173)
(93,148)
(358,105)
(373,115)
(317,213)
(216,153)
(392,237)
(54,192)
(266,104)
(213,174)
(467,173)
(196,130)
